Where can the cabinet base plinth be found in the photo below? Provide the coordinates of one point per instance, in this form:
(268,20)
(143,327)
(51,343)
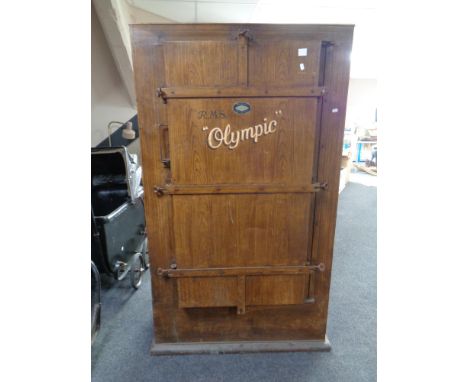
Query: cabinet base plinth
(239,347)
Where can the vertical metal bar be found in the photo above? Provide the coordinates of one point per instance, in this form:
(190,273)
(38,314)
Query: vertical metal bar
(163,149)
(243,59)
(241,294)
(312,256)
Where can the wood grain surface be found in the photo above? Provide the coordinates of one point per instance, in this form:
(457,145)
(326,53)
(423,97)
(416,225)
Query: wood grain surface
(240,125)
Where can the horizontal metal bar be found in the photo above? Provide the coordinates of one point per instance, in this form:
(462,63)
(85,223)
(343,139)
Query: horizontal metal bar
(238,189)
(240,91)
(241,271)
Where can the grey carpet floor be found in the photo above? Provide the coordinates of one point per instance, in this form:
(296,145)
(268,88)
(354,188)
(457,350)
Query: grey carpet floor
(121,350)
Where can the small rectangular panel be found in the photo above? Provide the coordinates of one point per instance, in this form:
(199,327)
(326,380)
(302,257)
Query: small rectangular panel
(275,290)
(199,292)
(241,230)
(201,63)
(242,140)
(279,62)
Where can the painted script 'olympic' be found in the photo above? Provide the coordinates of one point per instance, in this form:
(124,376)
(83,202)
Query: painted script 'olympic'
(217,137)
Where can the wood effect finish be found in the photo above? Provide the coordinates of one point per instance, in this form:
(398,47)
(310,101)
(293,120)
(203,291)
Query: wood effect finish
(275,290)
(207,292)
(241,230)
(202,63)
(270,229)
(282,157)
(277,62)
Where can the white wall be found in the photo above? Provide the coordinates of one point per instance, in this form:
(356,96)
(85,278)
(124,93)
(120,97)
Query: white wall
(109,98)
(362,102)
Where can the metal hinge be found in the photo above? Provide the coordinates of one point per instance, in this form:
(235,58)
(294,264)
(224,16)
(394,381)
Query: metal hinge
(162,95)
(320,186)
(319,267)
(166,272)
(246,34)
(326,44)
(159,190)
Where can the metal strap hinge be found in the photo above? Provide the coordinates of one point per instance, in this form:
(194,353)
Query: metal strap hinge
(242,189)
(173,271)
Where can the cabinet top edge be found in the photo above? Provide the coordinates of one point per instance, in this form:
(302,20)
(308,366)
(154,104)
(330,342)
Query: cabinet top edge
(143,33)
(171,25)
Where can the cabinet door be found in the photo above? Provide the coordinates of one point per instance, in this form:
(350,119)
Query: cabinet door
(233,155)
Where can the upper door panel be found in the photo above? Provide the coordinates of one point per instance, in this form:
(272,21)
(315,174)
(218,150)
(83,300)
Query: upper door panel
(272,143)
(284,63)
(266,62)
(201,63)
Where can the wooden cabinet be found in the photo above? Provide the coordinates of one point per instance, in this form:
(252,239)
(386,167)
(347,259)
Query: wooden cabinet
(241,137)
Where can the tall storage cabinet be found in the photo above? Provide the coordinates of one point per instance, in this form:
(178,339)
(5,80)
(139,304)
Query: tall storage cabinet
(241,141)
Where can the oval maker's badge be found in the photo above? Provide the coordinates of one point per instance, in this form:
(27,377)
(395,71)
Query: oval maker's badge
(241,107)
